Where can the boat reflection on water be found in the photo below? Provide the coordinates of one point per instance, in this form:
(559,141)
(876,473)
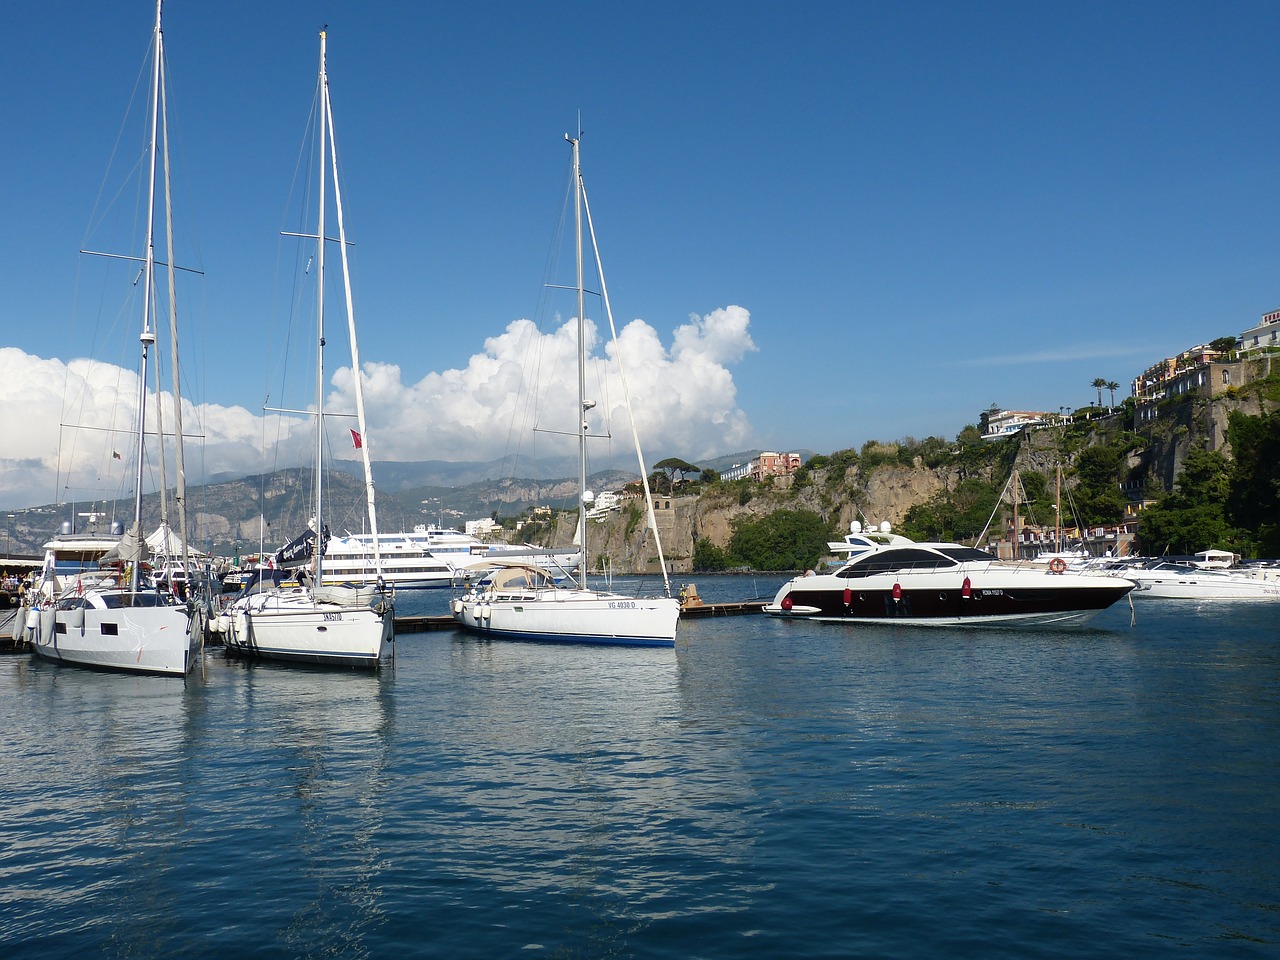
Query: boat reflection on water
(327,736)
(608,797)
(95,818)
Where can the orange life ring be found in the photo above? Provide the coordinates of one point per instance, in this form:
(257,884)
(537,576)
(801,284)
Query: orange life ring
(1057,565)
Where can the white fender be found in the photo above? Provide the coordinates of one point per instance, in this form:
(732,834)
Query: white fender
(46,627)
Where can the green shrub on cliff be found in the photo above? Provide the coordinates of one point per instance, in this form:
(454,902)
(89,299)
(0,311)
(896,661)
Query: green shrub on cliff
(1191,517)
(707,557)
(782,540)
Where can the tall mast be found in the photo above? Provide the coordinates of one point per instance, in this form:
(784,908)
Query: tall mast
(626,393)
(583,404)
(1016,539)
(370,499)
(179,462)
(148,336)
(323,118)
(1057,511)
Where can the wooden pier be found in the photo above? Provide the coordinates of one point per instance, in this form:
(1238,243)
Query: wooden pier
(735,609)
(424,623)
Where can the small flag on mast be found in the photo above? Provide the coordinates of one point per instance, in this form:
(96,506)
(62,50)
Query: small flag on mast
(356,439)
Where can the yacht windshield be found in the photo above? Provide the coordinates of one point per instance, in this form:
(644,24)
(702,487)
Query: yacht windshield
(965,553)
(907,558)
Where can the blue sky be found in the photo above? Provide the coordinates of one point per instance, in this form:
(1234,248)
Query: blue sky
(924,208)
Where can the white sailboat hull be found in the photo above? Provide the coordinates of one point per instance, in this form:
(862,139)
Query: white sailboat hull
(296,629)
(130,639)
(571,616)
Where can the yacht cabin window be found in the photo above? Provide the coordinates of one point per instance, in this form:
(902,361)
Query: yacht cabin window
(907,558)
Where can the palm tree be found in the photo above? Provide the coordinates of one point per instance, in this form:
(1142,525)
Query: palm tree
(1100,384)
(1113,387)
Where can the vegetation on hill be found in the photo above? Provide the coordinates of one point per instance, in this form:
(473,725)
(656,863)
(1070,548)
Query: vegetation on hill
(1225,504)
(1227,498)
(781,540)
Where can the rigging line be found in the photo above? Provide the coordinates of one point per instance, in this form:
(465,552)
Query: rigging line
(98,206)
(535,389)
(180,465)
(301,185)
(644,474)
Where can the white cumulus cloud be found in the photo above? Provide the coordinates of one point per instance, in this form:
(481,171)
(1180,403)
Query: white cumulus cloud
(684,398)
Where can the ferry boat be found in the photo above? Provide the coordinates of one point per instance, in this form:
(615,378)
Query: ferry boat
(428,557)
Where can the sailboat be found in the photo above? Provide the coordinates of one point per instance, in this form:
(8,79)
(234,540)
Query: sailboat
(521,601)
(1057,558)
(117,619)
(318,622)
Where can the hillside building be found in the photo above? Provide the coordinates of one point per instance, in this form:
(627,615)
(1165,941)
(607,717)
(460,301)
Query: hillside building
(774,465)
(1201,370)
(1006,423)
(1206,372)
(1265,336)
(768,464)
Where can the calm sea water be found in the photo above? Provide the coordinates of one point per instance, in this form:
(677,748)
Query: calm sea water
(768,789)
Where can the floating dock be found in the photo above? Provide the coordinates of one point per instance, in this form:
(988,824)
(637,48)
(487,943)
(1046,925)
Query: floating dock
(424,623)
(734,609)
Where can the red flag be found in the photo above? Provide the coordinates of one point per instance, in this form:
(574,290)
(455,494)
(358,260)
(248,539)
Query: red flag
(355,438)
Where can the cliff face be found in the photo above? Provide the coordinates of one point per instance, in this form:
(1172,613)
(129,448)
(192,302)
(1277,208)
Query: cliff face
(841,494)
(1192,424)
(885,493)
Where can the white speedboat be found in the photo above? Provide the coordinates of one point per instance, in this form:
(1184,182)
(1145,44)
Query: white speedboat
(521,602)
(894,579)
(1166,580)
(319,622)
(72,561)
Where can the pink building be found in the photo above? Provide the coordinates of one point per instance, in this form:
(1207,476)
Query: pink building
(774,465)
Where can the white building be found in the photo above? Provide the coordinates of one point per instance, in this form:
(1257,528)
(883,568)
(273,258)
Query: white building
(1265,334)
(482,528)
(1008,422)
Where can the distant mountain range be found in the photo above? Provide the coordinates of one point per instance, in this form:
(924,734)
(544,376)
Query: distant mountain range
(393,476)
(274,507)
